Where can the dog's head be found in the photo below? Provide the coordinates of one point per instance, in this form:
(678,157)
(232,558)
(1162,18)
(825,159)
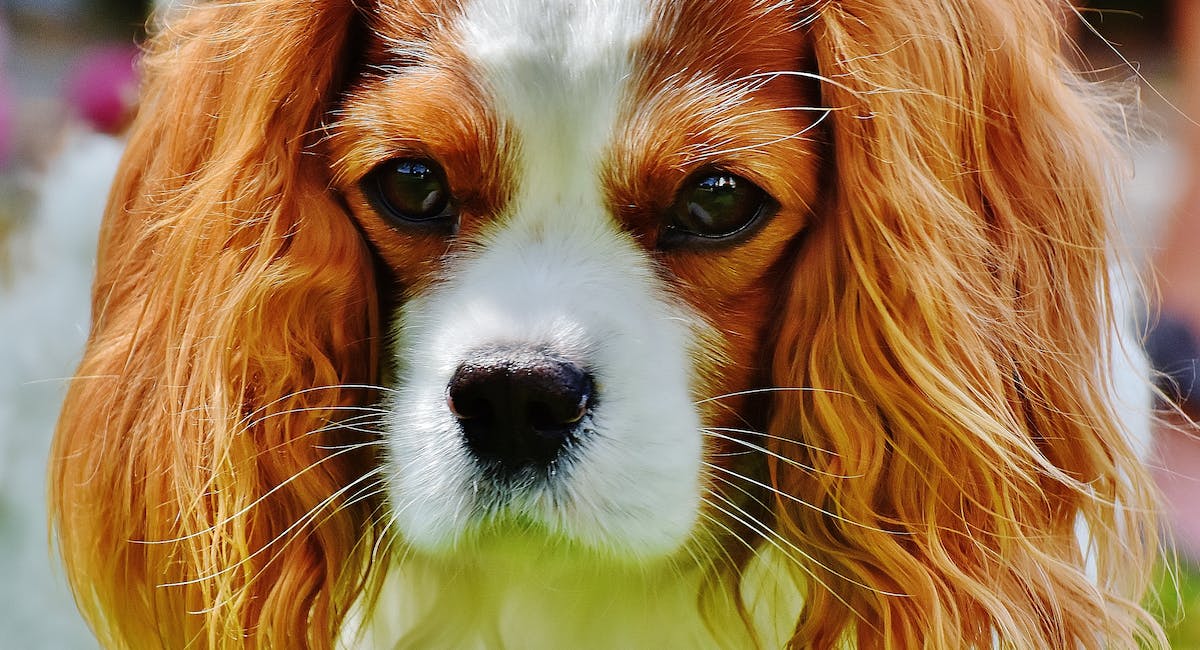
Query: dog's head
(653,284)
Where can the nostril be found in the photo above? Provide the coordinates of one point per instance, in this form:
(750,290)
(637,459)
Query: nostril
(544,416)
(467,402)
(558,396)
(518,407)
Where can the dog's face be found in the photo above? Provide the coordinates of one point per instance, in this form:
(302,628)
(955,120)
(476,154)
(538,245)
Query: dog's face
(580,233)
(687,288)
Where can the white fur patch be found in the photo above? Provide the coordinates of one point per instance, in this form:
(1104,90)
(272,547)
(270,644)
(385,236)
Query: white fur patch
(555,273)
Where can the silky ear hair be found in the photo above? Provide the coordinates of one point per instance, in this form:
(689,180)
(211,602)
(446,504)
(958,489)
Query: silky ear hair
(199,496)
(948,318)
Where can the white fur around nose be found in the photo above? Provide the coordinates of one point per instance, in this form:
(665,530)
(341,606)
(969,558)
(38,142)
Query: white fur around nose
(632,487)
(553,272)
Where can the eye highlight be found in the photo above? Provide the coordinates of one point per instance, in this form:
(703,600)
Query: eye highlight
(714,205)
(409,190)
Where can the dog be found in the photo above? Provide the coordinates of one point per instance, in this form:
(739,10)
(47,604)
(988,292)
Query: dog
(549,324)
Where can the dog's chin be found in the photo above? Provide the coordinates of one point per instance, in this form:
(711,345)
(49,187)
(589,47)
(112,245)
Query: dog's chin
(518,540)
(468,509)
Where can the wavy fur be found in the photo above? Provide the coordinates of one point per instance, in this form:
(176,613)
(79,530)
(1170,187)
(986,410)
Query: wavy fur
(951,320)
(229,281)
(947,316)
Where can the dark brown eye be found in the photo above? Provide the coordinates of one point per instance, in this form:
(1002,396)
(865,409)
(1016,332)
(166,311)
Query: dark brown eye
(410,190)
(715,205)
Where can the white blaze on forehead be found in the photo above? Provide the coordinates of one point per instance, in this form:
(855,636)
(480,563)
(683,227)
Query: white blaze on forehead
(558,71)
(555,272)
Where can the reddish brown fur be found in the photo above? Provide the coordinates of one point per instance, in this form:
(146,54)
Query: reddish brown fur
(228,279)
(963,250)
(930,282)
(434,110)
(701,101)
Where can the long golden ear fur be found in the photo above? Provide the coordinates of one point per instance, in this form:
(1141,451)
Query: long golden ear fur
(950,316)
(233,299)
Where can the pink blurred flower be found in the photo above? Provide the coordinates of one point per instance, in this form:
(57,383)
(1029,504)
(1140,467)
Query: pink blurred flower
(102,87)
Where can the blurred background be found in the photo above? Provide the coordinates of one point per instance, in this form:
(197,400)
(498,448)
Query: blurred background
(67,90)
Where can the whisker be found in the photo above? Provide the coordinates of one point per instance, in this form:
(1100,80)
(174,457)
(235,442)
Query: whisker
(335,425)
(769,533)
(703,553)
(356,445)
(734,118)
(751,432)
(726,528)
(804,75)
(751,496)
(213,527)
(384,528)
(383,546)
(811,506)
(396,542)
(712,153)
(370,491)
(307,518)
(350,424)
(313,389)
(785,459)
(777,389)
(369,428)
(770,537)
(730,410)
(311,409)
(300,521)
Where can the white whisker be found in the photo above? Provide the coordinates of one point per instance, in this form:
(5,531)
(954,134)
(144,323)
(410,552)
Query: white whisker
(771,538)
(785,459)
(311,409)
(313,389)
(769,533)
(214,526)
(751,432)
(778,389)
(794,498)
(301,521)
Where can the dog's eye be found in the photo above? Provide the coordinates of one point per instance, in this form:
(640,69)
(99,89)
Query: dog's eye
(715,205)
(409,189)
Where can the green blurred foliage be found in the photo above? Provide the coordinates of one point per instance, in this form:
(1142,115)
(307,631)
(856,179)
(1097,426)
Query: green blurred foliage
(1178,605)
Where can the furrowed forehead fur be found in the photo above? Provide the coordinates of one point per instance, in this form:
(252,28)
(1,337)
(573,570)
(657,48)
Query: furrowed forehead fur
(909,346)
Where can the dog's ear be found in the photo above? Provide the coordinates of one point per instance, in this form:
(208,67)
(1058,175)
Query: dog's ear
(948,319)
(199,495)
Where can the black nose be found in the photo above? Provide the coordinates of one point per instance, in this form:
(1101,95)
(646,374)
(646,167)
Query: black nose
(518,407)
